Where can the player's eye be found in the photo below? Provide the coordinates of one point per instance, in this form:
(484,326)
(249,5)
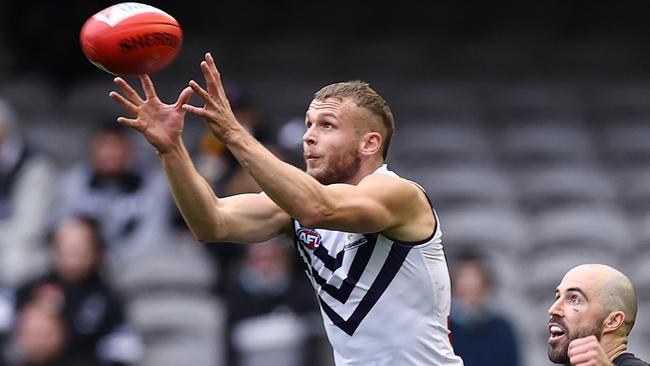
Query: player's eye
(574,300)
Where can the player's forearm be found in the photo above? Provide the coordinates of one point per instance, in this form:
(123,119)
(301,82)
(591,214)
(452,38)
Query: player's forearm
(297,193)
(193,195)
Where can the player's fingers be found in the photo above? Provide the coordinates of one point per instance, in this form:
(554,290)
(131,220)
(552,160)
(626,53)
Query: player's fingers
(582,359)
(217,75)
(575,349)
(201,112)
(198,90)
(128,91)
(147,86)
(124,103)
(210,79)
(130,122)
(184,97)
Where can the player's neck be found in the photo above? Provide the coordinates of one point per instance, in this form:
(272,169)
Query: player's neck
(365,169)
(614,347)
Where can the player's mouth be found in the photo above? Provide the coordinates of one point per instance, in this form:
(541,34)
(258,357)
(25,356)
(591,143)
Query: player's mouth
(311,157)
(556,332)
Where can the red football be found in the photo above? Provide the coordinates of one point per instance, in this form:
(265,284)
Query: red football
(131,39)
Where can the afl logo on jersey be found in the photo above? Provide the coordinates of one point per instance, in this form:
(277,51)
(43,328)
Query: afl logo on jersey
(308,237)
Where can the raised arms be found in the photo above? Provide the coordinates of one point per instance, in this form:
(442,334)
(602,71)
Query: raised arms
(208,217)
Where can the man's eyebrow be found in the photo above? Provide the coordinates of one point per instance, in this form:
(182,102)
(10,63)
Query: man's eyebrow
(578,290)
(323,114)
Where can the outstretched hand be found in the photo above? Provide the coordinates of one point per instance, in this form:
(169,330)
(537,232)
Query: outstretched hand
(160,123)
(217,111)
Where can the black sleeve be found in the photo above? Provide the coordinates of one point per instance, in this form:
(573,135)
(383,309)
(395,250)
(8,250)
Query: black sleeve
(628,359)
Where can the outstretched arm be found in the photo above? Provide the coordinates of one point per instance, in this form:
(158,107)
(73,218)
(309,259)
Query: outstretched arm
(208,217)
(379,203)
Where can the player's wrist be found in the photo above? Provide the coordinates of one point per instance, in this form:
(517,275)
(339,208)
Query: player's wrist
(234,135)
(169,150)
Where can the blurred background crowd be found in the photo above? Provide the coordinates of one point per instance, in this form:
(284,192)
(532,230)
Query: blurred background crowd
(527,122)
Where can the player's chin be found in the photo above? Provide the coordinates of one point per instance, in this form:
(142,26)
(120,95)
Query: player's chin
(557,350)
(314,170)
(318,174)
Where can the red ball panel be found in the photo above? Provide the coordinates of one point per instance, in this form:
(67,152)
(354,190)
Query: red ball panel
(131,44)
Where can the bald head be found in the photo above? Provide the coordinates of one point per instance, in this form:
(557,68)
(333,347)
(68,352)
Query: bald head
(614,288)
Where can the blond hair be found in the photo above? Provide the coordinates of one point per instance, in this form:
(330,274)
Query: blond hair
(365,97)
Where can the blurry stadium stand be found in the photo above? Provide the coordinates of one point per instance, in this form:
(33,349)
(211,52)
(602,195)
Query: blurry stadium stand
(581,229)
(626,143)
(461,186)
(31,95)
(171,306)
(440,143)
(543,188)
(526,144)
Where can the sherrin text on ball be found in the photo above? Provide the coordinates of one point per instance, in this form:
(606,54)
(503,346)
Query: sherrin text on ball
(131,39)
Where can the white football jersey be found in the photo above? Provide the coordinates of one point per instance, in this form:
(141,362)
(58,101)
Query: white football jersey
(384,302)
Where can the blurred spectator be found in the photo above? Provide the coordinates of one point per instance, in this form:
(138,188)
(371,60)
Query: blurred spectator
(26,192)
(270,310)
(481,336)
(74,288)
(129,203)
(41,339)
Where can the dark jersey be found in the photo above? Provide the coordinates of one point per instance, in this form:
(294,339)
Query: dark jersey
(628,359)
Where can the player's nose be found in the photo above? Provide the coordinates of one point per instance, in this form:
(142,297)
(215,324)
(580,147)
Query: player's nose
(309,137)
(555,308)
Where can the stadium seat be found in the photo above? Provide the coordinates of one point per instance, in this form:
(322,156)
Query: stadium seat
(626,144)
(634,191)
(184,350)
(459,187)
(52,135)
(642,233)
(171,269)
(511,104)
(638,270)
(293,101)
(500,230)
(167,313)
(6,56)
(433,102)
(435,145)
(549,188)
(32,96)
(585,230)
(540,143)
(88,99)
(617,101)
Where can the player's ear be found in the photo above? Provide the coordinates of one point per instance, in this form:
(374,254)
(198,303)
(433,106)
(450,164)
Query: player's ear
(613,321)
(371,143)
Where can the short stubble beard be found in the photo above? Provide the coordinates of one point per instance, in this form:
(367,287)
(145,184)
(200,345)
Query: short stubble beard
(560,353)
(340,170)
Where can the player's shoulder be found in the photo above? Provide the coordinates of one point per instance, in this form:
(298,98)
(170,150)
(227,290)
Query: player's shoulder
(388,184)
(387,180)
(628,359)
(385,176)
